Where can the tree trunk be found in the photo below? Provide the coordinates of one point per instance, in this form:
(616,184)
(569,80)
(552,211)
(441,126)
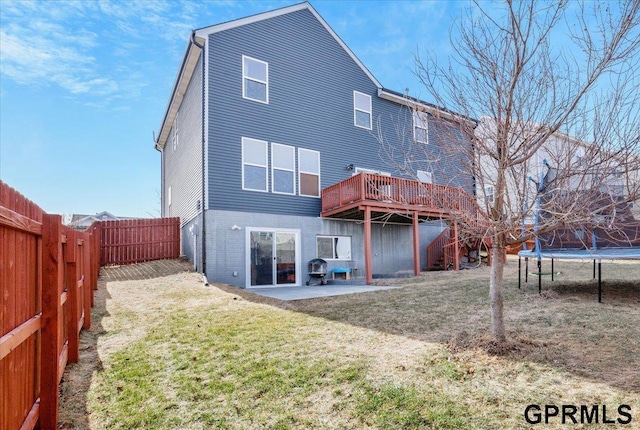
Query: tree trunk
(496,294)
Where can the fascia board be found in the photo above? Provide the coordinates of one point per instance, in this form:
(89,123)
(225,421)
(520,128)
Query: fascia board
(189,62)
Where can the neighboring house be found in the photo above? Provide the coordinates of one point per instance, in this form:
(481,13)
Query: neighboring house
(271,152)
(82,222)
(573,179)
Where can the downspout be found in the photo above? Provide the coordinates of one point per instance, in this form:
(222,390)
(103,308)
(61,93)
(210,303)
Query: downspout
(203,165)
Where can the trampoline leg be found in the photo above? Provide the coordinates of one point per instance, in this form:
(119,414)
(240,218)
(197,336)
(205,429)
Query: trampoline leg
(519,272)
(552,269)
(539,277)
(594,269)
(599,281)
(526,270)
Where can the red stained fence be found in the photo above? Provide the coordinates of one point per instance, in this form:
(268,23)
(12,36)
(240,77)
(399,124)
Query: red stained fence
(139,240)
(47,276)
(48,273)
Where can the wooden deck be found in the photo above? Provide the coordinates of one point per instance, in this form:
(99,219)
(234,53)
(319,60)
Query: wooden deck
(366,196)
(403,197)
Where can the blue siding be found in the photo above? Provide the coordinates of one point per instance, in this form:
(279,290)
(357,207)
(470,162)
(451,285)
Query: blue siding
(311,84)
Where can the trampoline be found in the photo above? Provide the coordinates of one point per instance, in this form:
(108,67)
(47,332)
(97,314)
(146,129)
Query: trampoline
(595,254)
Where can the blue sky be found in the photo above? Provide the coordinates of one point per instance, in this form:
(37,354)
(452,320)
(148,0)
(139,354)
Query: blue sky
(84,85)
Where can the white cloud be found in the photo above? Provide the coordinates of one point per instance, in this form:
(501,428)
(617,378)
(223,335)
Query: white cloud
(90,49)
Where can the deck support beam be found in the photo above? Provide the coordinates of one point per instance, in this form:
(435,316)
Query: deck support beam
(367,246)
(416,245)
(456,247)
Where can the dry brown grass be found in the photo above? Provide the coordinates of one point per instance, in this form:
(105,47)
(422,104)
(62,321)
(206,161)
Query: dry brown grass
(430,336)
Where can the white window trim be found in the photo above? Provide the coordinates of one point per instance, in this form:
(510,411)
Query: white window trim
(355,110)
(266,82)
(420,120)
(273,169)
(333,237)
(489,192)
(300,172)
(266,165)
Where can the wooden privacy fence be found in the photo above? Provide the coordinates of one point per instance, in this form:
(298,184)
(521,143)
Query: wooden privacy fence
(47,276)
(48,273)
(138,240)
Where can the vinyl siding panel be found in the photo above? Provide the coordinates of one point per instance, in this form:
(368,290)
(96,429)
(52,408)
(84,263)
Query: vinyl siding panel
(311,84)
(183,165)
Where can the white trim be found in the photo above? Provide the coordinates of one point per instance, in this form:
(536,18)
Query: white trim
(205,204)
(356,109)
(265,82)
(298,259)
(265,166)
(292,170)
(413,104)
(300,172)
(189,63)
(333,247)
(421,121)
(205,31)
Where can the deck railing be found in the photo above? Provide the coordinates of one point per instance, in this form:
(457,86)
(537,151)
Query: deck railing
(451,201)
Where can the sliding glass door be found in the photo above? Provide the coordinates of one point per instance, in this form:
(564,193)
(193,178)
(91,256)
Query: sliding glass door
(274,257)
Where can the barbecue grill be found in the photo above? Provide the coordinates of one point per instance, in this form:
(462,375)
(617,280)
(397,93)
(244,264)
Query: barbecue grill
(318,269)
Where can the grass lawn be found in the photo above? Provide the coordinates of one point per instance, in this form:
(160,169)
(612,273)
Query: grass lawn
(171,353)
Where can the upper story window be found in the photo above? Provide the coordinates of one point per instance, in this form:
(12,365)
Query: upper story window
(254,164)
(489,193)
(420,127)
(283,166)
(255,79)
(309,172)
(362,110)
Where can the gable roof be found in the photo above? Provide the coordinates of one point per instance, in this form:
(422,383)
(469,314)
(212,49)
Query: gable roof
(205,31)
(199,37)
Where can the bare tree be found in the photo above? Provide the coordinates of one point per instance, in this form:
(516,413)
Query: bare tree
(558,124)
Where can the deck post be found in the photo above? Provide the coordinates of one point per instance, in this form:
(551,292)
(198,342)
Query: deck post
(456,247)
(416,245)
(367,245)
(599,281)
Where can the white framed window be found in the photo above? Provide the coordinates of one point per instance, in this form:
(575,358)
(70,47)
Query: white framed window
(424,176)
(309,172)
(254,165)
(175,133)
(334,247)
(362,110)
(420,127)
(255,80)
(489,193)
(283,168)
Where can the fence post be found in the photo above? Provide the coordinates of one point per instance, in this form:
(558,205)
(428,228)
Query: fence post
(71,283)
(52,283)
(87,269)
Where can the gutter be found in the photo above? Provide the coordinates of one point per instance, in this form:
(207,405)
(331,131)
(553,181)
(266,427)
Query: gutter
(203,163)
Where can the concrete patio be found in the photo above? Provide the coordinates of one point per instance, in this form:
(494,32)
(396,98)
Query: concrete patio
(314,291)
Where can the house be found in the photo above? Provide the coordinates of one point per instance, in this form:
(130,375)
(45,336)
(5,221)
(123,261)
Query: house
(82,222)
(579,186)
(271,156)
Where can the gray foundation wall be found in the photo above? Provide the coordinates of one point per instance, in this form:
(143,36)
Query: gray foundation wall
(392,244)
